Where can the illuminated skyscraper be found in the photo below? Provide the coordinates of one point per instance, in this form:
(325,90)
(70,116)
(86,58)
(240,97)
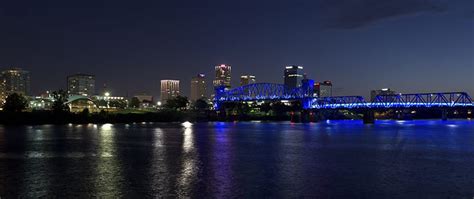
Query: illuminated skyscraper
(383,91)
(323,89)
(293,76)
(169,89)
(2,91)
(198,87)
(247,79)
(223,74)
(16,80)
(81,84)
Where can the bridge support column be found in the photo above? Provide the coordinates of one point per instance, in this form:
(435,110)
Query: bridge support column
(296,117)
(312,117)
(369,117)
(444,115)
(221,115)
(404,115)
(307,116)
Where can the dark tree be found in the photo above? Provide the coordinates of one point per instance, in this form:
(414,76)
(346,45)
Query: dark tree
(265,107)
(243,109)
(229,107)
(121,104)
(177,103)
(134,103)
(15,103)
(85,112)
(60,98)
(101,102)
(296,106)
(201,105)
(279,108)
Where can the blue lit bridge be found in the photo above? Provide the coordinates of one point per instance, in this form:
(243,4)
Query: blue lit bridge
(305,95)
(418,100)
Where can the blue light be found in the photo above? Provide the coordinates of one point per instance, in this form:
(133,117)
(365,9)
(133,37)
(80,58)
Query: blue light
(269,91)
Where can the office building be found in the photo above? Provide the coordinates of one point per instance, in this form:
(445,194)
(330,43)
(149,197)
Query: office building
(223,74)
(198,87)
(293,76)
(323,89)
(81,84)
(169,89)
(2,92)
(247,79)
(15,80)
(383,91)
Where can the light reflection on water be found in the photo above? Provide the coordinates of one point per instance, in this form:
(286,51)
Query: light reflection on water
(189,164)
(340,159)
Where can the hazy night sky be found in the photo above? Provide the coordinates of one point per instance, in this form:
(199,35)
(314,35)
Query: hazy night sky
(407,45)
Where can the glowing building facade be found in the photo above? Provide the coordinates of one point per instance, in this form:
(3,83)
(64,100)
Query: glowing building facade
(15,80)
(323,89)
(293,76)
(223,74)
(81,84)
(247,79)
(198,87)
(169,89)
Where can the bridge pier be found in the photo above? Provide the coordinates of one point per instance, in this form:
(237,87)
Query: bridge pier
(307,116)
(444,114)
(295,117)
(404,115)
(369,117)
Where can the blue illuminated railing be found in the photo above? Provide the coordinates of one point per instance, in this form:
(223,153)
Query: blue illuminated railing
(270,91)
(421,100)
(260,91)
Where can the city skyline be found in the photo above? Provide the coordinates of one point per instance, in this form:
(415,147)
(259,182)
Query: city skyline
(409,46)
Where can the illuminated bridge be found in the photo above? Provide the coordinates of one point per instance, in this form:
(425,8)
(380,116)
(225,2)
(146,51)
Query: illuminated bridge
(418,100)
(275,92)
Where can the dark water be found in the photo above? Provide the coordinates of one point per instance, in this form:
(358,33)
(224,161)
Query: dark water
(337,159)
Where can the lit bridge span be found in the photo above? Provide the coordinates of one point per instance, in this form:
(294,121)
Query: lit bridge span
(418,100)
(305,94)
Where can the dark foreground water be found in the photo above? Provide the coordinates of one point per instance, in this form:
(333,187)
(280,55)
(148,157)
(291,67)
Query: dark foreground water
(337,159)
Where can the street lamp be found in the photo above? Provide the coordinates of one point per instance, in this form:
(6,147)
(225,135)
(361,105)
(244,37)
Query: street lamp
(107,95)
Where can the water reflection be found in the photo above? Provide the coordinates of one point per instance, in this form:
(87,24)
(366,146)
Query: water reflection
(107,170)
(221,162)
(189,166)
(158,168)
(250,160)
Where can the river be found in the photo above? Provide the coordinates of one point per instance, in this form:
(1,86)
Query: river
(332,159)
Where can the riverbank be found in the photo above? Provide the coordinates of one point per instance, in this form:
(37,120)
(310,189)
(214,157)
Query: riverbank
(48,117)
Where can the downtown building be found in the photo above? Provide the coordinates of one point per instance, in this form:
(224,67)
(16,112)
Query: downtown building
(14,80)
(323,89)
(293,76)
(169,89)
(383,91)
(223,74)
(247,79)
(81,84)
(198,87)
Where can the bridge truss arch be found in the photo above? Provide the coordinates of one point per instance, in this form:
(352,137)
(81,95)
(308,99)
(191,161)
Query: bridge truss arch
(423,100)
(261,91)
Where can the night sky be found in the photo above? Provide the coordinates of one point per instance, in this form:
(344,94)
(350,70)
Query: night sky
(407,45)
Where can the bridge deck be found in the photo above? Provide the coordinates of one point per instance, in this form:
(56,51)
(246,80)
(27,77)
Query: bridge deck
(269,91)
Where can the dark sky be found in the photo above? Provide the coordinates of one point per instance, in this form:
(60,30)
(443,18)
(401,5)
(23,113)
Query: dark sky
(407,45)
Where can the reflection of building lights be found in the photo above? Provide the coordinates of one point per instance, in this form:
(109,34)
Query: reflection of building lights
(106,127)
(186,124)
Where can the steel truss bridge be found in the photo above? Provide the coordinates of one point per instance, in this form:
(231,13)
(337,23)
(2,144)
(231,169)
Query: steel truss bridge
(275,92)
